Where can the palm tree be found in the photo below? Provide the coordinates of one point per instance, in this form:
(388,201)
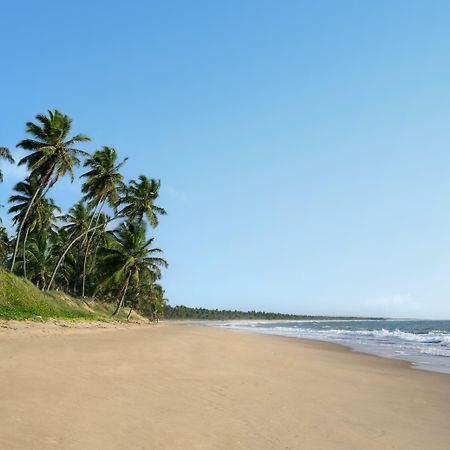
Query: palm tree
(42,221)
(157,301)
(67,275)
(40,218)
(150,297)
(102,184)
(5,245)
(139,198)
(41,259)
(74,240)
(5,154)
(103,179)
(77,221)
(130,257)
(53,155)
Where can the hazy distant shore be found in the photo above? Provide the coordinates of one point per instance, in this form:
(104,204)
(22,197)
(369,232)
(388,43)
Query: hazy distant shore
(183,387)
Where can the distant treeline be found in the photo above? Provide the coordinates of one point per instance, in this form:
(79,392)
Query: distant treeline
(185,312)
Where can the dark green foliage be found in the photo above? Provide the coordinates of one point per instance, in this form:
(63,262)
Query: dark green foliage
(52,156)
(138,200)
(185,312)
(75,252)
(5,154)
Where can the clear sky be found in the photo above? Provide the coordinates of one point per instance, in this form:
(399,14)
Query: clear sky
(303,146)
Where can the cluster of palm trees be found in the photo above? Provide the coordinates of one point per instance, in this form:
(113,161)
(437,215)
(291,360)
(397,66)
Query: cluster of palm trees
(99,248)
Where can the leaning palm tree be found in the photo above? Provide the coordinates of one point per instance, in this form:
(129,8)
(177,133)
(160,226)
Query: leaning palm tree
(129,257)
(53,155)
(41,217)
(5,154)
(77,221)
(138,201)
(102,185)
(67,248)
(104,178)
(67,275)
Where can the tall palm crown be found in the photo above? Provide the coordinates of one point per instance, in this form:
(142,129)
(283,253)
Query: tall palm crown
(103,180)
(130,252)
(77,220)
(128,258)
(5,154)
(53,152)
(139,198)
(53,155)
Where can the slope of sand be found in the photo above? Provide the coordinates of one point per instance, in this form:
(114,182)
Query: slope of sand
(178,387)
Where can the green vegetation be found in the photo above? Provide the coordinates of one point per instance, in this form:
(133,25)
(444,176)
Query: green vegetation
(99,250)
(96,259)
(181,312)
(20,299)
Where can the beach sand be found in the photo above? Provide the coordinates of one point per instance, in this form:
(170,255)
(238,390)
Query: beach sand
(185,387)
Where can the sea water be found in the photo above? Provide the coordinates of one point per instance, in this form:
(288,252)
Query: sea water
(425,343)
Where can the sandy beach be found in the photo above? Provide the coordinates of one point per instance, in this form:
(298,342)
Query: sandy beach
(184,387)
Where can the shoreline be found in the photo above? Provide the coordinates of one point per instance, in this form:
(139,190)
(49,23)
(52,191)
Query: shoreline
(418,358)
(59,326)
(175,386)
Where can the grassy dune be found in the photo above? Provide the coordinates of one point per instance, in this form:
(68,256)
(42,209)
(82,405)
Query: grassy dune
(20,299)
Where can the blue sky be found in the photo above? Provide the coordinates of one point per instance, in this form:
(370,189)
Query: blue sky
(303,147)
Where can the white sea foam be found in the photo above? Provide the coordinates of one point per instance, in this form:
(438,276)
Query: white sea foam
(436,351)
(434,337)
(427,348)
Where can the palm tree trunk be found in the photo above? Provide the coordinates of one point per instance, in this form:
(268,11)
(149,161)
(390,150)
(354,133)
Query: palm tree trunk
(77,271)
(90,221)
(122,298)
(133,303)
(61,258)
(131,310)
(24,253)
(19,231)
(83,285)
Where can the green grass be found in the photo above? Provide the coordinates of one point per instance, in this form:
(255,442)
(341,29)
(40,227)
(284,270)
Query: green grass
(20,299)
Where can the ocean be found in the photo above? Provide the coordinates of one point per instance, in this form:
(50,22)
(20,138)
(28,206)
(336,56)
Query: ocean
(425,343)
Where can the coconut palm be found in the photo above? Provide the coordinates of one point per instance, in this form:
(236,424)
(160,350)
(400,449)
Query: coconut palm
(139,200)
(150,297)
(67,275)
(5,245)
(129,257)
(5,154)
(41,259)
(53,155)
(74,240)
(77,221)
(102,185)
(104,178)
(41,218)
